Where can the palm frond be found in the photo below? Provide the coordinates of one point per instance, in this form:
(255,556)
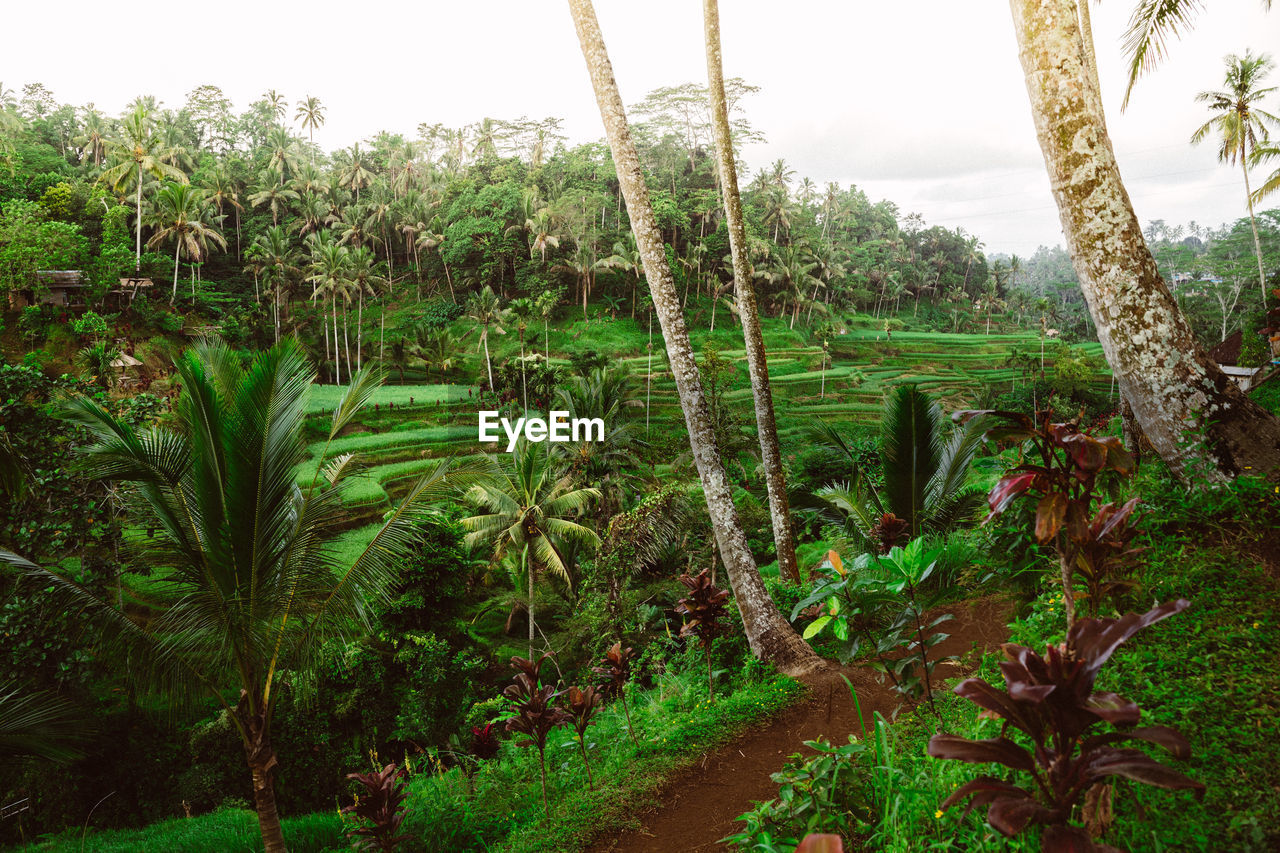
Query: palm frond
(1151,25)
(39,724)
(909,451)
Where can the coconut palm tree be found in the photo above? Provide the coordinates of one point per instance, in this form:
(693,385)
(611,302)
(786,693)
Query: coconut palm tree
(92,139)
(355,174)
(275,194)
(39,724)
(330,267)
(1239,124)
(277,103)
(282,148)
(180,215)
(255,582)
(526,507)
(757,363)
(770,636)
(484,310)
(280,264)
(138,151)
(310,114)
(1165,375)
(364,271)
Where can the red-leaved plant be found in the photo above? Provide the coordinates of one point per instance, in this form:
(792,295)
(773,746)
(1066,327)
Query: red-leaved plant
(703,609)
(484,741)
(583,704)
(380,808)
(616,670)
(534,713)
(1062,473)
(1052,702)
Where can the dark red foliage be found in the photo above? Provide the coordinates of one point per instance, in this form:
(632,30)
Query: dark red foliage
(484,741)
(615,669)
(1051,700)
(583,705)
(703,608)
(533,703)
(890,531)
(380,807)
(1062,473)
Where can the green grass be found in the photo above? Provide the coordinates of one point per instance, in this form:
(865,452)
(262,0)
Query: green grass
(500,806)
(324,398)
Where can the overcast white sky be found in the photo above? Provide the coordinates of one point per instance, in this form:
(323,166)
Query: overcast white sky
(920,102)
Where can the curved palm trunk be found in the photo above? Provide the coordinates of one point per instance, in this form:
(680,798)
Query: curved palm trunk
(770,636)
(489,366)
(176,251)
(757,362)
(1253,223)
(261,758)
(1197,419)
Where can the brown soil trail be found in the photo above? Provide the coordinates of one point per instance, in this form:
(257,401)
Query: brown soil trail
(699,807)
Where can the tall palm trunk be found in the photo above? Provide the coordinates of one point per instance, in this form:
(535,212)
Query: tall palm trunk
(770,636)
(484,337)
(360,332)
(337,351)
(528,567)
(1197,419)
(137,230)
(1253,223)
(176,250)
(748,313)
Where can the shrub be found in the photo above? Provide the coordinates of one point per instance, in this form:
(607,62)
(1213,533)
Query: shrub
(1051,701)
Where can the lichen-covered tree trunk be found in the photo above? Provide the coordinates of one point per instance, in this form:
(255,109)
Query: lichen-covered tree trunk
(770,636)
(784,538)
(1195,417)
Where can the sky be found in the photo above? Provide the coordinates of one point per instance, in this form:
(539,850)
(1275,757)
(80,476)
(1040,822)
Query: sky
(920,102)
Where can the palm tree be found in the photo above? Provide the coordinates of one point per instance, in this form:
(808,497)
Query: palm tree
(604,393)
(483,308)
(223,190)
(275,194)
(770,636)
(310,114)
(255,582)
(136,151)
(282,147)
(280,263)
(180,214)
(92,138)
(277,104)
(355,174)
(1164,374)
(1239,124)
(546,304)
(527,509)
(365,274)
(924,466)
(757,363)
(330,266)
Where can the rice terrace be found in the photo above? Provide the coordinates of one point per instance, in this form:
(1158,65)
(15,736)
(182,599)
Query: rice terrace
(756,454)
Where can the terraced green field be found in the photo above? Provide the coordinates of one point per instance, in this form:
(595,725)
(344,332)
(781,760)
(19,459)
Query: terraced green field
(395,445)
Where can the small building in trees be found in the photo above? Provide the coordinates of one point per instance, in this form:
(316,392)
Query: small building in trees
(64,288)
(121,295)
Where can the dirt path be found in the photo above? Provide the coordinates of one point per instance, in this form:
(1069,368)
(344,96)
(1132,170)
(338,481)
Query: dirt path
(699,808)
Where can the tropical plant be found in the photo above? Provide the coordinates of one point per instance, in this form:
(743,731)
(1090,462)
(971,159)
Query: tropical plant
(583,704)
(1051,701)
(533,712)
(924,467)
(96,361)
(381,808)
(615,669)
(1239,124)
(180,216)
(1067,475)
(703,610)
(484,309)
(136,151)
(526,509)
(883,602)
(255,584)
